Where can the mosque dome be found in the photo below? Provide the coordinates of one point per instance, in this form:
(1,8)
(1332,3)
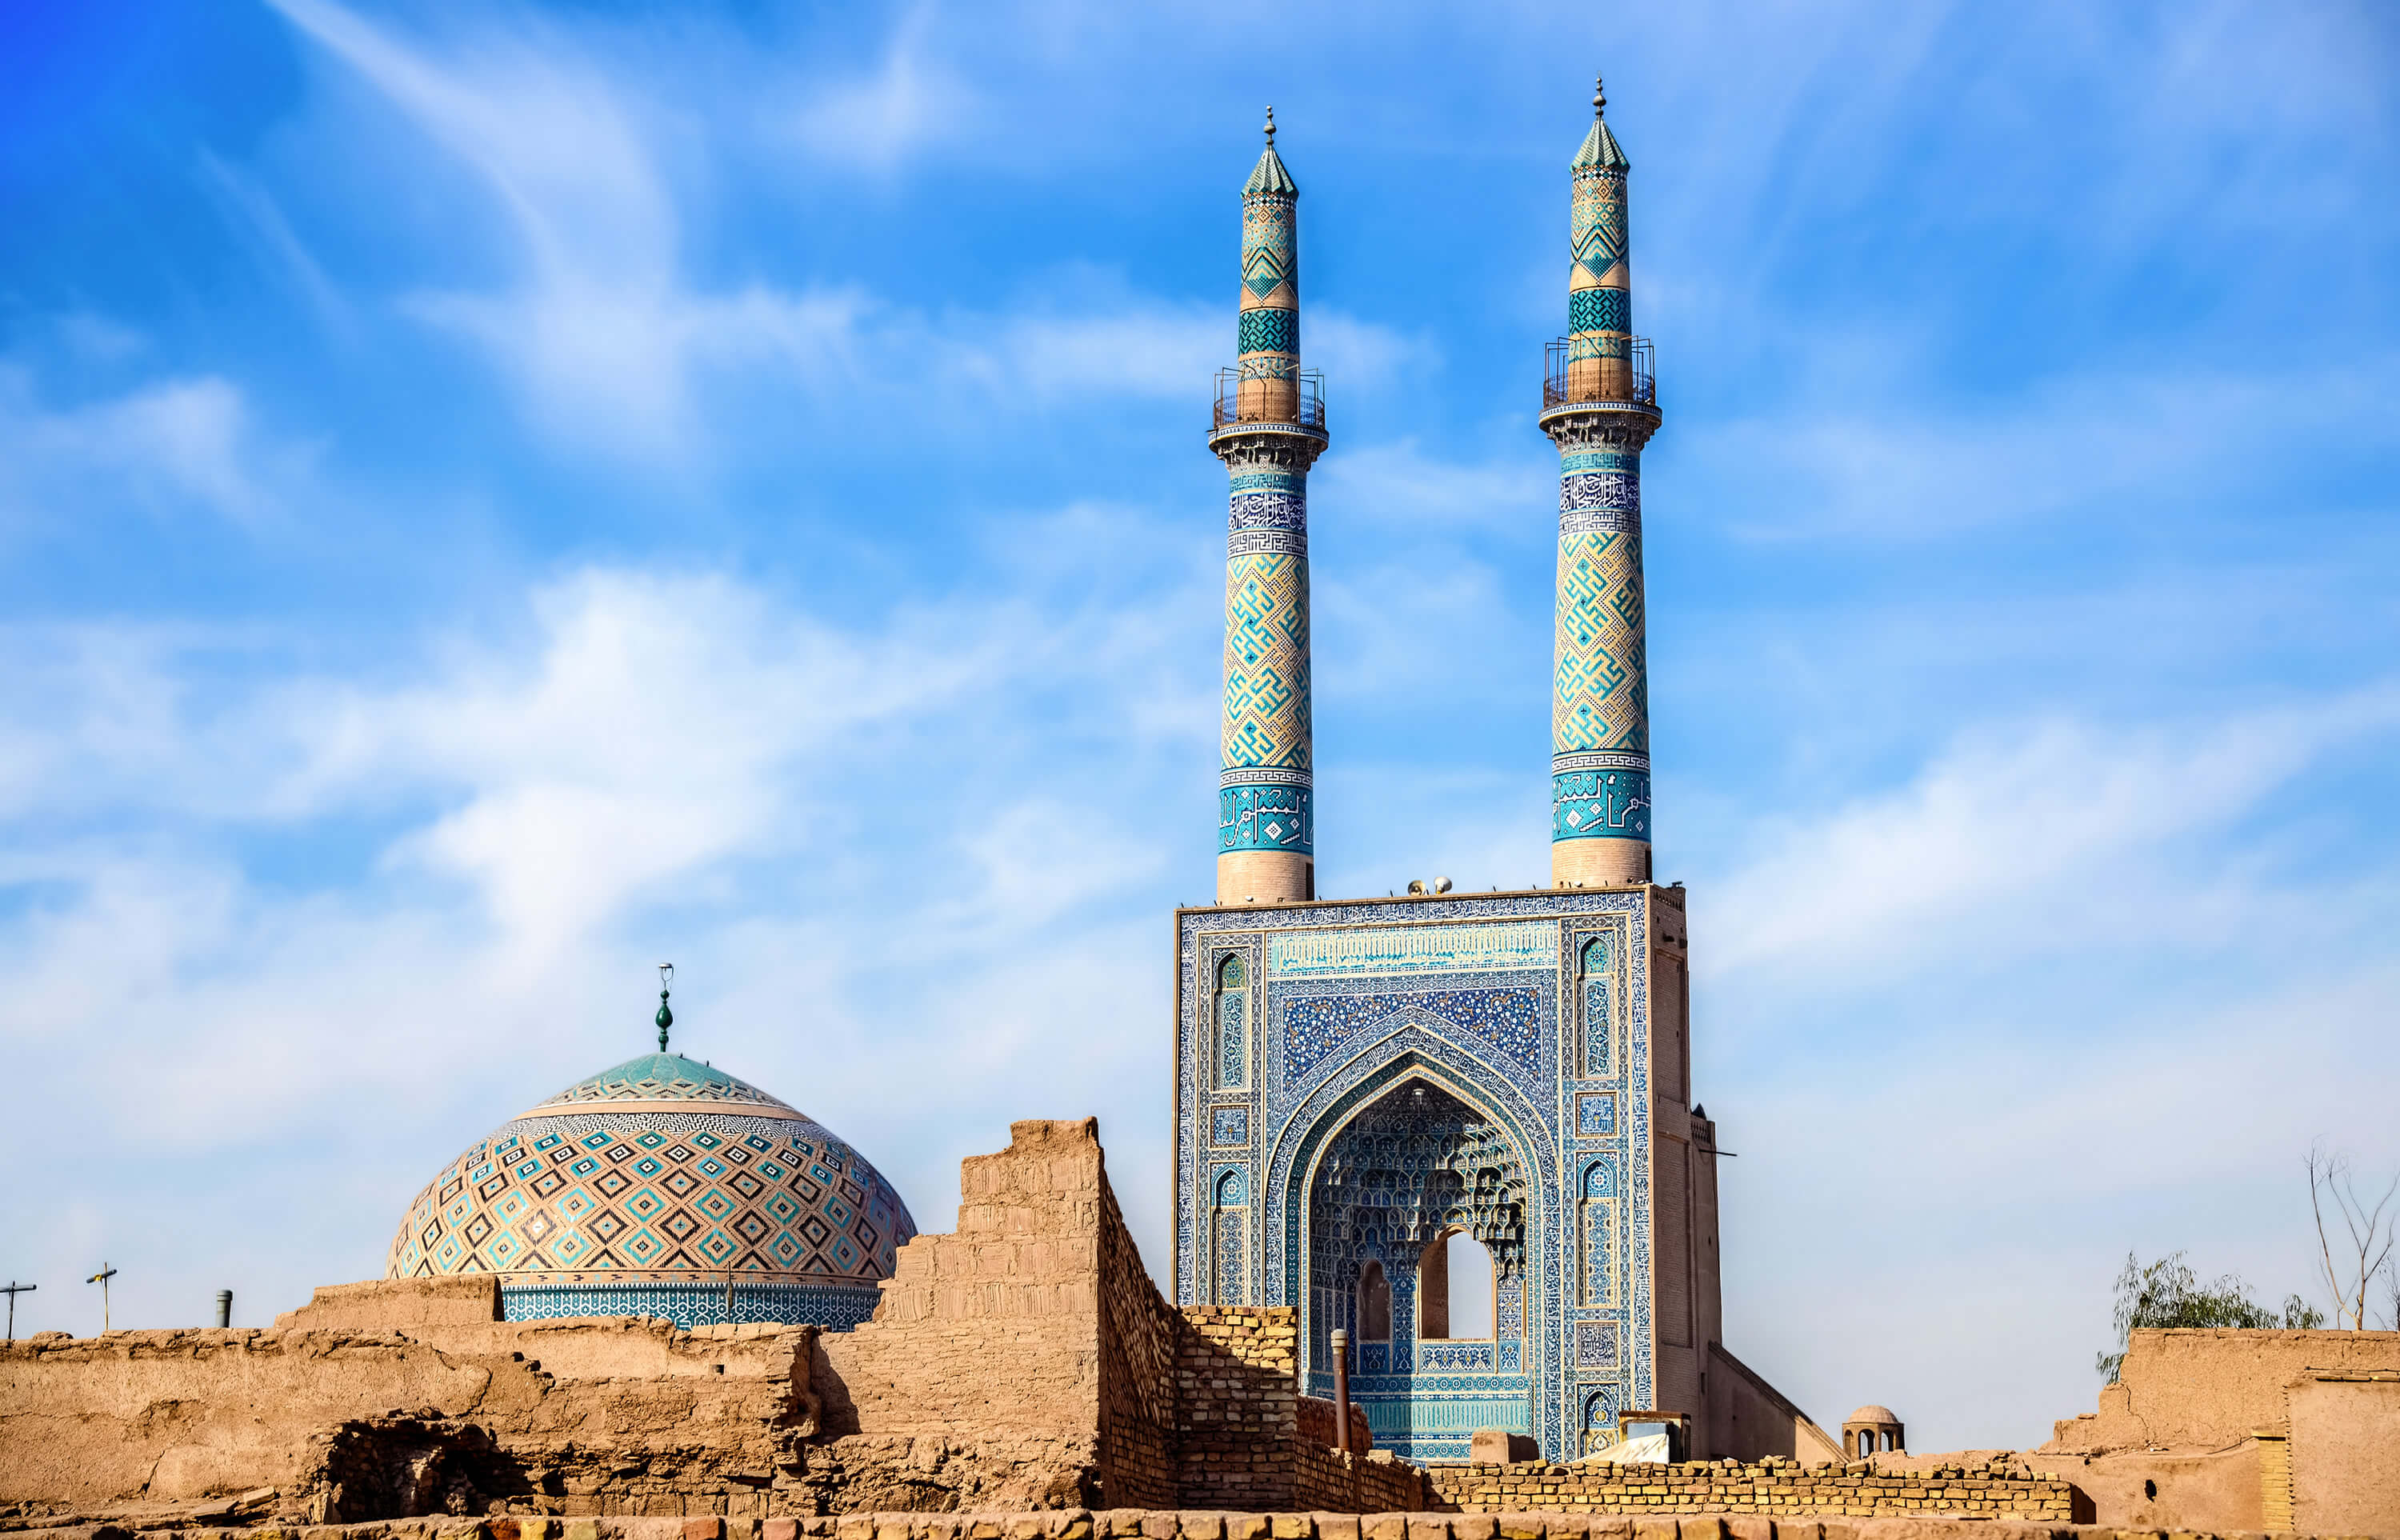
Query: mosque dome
(646,1190)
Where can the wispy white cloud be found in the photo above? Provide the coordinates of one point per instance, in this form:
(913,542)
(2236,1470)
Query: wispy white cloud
(2027,840)
(912,99)
(174,443)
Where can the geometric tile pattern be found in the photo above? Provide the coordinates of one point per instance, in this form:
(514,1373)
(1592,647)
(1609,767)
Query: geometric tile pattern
(661,1174)
(1267,707)
(1483,1005)
(1602,696)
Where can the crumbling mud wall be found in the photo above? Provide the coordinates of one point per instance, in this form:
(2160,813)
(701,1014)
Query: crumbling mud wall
(177,1415)
(979,1381)
(2199,1432)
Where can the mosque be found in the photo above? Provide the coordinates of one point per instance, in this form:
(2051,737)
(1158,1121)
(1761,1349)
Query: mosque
(1359,1083)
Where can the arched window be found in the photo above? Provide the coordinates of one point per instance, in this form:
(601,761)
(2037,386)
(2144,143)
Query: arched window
(1599,1022)
(1599,1421)
(1456,1292)
(1375,1304)
(1233,1023)
(1228,1229)
(1596,1223)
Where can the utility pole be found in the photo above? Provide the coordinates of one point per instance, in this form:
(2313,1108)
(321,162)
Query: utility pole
(101,1278)
(14,1289)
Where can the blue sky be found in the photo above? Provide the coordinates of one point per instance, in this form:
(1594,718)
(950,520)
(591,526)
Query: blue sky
(493,497)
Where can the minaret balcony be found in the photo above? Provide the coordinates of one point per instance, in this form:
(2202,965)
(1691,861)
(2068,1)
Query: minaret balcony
(1294,403)
(1631,381)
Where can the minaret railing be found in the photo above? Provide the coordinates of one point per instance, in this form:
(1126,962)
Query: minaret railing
(1310,413)
(1558,391)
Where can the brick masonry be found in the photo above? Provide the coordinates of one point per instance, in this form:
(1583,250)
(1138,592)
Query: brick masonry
(1143,1524)
(1774,1488)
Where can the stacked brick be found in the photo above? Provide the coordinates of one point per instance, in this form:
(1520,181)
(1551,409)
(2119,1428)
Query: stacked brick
(1317,1424)
(1238,1412)
(1139,1333)
(1771,1487)
(1140,1524)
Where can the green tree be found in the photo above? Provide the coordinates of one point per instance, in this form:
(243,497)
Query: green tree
(2168,1292)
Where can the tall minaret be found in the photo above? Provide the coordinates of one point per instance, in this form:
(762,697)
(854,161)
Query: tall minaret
(1600,407)
(1269,430)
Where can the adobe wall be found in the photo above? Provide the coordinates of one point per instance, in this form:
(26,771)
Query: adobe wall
(1772,1488)
(2345,1453)
(978,1383)
(2191,1388)
(327,1418)
(2172,1445)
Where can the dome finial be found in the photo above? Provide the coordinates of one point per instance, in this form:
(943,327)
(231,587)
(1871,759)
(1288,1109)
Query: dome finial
(665,1018)
(1599,98)
(1270,127)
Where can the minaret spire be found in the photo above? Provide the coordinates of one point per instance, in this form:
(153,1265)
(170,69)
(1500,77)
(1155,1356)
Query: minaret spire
(1269,428)
(1600,407)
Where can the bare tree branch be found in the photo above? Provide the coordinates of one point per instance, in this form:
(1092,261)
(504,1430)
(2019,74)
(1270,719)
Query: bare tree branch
(2372,1231)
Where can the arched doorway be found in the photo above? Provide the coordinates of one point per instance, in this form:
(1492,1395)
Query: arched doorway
(1417,1173)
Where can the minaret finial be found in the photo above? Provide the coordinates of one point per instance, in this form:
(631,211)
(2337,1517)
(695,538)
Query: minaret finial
(1270,127)
(665,1019)
(1599,98)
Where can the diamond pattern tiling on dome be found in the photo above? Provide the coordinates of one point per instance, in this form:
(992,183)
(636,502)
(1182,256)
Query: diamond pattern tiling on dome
(589,1197)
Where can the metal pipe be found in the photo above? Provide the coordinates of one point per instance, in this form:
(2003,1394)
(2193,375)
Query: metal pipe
(1342,1390)
(225,1307)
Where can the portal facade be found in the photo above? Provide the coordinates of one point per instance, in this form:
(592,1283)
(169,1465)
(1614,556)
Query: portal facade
(1357,1082)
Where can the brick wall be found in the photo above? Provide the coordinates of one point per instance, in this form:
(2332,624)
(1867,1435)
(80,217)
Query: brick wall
(1138,1333)
(1151,1524)
(1326,1480)
(1238,1406)
(1771,1487)
(1317,1424)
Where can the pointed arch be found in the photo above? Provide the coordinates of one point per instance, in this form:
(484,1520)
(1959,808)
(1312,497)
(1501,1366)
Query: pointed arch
(1231,1014)
(1595,1006)
(1293,1164)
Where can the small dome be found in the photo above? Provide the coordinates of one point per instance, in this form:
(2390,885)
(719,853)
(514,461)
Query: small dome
(1872,1414)
(643,1189)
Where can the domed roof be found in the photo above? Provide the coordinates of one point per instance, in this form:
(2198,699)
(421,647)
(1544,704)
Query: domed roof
(634,1187)
(1872,1414)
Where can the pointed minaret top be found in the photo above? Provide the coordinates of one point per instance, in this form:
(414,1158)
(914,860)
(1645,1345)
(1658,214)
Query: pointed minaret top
(1600,152)
(1268,179)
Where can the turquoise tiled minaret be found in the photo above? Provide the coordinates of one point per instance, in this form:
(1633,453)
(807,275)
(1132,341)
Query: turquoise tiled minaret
(1600,407)
(1269,428)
